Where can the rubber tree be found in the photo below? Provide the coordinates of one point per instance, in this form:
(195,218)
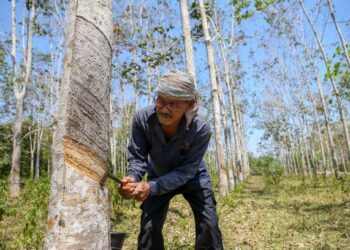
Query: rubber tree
(334,86)
(20,90)
(186,33)
(79,206)
(223,179)
(324,107)
(227,134)
(233,104)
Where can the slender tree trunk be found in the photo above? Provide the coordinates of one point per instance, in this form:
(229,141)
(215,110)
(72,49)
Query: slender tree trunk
(317,120)
(345,50)
(20,92)
(330,145)
(32,146)
(245,158)
(16,148)
(223,186)
(230,84)
(38,151)
(294,153)
(342,159)
(301,119)
(227,136)
(79,206)
(186,33)
(335,88)
(238,144)
(294,115)
(232,106)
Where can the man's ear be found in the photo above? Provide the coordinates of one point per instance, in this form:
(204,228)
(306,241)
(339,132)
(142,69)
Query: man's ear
(191,104)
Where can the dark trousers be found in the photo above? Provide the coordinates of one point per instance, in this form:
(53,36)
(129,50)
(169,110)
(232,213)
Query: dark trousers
(200,196)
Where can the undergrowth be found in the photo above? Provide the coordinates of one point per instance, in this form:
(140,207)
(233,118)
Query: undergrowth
(310,213)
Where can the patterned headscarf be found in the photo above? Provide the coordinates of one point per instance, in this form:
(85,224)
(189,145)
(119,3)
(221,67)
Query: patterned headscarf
(179,86)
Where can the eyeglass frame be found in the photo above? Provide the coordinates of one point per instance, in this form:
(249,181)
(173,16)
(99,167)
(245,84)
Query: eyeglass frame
(172,107)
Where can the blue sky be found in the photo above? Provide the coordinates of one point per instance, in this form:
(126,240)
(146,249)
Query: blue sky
(250,27)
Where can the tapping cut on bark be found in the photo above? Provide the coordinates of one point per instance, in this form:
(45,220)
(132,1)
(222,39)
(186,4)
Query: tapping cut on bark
(83,160)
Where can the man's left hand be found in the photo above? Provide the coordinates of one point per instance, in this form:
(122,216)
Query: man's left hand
(142,190)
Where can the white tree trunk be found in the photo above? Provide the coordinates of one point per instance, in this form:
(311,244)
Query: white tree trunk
(227,135)
(79,207)
(38,151)
(335,88)
(32,145)
(186,33)
(236,161)
(223,185)
(20,92)
(330,145)
(245,158)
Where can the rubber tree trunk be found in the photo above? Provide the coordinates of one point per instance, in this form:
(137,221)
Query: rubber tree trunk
(79,206)
(227,134)
(335,88)
(20,90)
(330,144)
(38,152)
(317,120)
(223,180)
(300,115)
(186,33)
(233,108)
(245,158)
(32,145)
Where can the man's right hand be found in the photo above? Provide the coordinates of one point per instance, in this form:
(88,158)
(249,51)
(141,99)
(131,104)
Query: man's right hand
(127,187)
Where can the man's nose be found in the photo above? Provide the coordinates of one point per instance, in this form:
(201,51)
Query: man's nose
(162,108)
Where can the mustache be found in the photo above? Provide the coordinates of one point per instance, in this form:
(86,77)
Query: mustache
(165,115)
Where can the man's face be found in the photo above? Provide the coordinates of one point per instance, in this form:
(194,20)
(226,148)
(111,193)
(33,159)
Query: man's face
(170,111)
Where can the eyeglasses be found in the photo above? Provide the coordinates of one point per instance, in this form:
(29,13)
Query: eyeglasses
(173,107)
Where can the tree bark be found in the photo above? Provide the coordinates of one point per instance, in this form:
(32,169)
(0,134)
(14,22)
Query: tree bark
(245,158)
(223,185)
(227,135)
(233,107)
(186,33)
(32,145)
(38,151)
(20,92)
(335,88)
(79,206)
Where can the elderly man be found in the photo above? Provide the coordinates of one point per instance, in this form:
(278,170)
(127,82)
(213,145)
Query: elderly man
(168,142)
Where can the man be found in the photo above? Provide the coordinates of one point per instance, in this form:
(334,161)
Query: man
(168,142)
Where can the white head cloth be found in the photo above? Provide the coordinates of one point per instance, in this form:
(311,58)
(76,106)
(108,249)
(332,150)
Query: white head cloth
(180,86)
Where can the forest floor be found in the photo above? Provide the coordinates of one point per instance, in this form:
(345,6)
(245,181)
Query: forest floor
(298,213)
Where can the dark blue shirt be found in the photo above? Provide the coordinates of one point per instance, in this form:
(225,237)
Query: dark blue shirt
(169,164)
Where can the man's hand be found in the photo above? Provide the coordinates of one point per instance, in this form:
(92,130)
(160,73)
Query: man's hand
(142,191)
(127,188)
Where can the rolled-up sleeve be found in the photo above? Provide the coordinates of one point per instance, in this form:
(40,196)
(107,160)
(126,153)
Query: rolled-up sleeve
(187,168)
(137,151)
